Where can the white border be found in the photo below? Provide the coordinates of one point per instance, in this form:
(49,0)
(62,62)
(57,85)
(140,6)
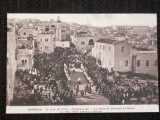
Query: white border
(82,109)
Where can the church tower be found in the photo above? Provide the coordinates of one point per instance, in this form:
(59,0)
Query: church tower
(58,29)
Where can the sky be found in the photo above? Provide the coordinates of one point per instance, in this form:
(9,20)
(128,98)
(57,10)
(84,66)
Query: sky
(95,19)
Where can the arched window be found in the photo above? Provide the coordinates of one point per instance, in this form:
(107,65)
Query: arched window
(122,50)
(23,47)
(35,45)
(91,42)
(138,63)
(82,43)
(126,63)
(23,61)
(147,63)
(46,39)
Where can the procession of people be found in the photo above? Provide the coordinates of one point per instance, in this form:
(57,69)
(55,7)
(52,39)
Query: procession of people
(49,78)
(49,84)
(117,89)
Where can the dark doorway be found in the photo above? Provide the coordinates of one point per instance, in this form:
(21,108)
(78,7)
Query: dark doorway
(23,47)
(53,26)
(91,42)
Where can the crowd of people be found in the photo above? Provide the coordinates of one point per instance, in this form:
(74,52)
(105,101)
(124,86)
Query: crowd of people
(47,79)
(118,90)
(49,84)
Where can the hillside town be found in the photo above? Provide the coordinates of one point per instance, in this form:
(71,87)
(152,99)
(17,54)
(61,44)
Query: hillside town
(58,63)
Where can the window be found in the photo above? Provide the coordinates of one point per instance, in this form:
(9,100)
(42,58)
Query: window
(100,46)
(138,63)
(126,63)
(109,48)
(46,47)
(41,48)
(82,43)
(24,33)
(40,39)
(147,63)
(122,50)
(22,61)
(46,39)
(103,47)
(91,42)
(155,64)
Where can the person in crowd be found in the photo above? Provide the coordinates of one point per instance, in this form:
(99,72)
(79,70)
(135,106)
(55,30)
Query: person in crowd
(77,89)
(86,89)
(82,93)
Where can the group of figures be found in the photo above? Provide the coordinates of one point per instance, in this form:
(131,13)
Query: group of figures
(47,83)
(87,89)
(116,88)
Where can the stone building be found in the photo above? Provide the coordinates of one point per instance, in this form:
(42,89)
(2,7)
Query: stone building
(120,56)
(83,43)
(11,60)
(24,59)
(145,62)
(24,53)
(113,54)
(25,32)
(121,29)
(45,43)
(139,30)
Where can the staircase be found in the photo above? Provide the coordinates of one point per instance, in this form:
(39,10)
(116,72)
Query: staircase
(92,99)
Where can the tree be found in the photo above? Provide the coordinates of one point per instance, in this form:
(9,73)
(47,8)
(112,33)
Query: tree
(47,29)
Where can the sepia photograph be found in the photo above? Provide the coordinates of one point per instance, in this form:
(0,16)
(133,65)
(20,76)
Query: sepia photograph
(71,61)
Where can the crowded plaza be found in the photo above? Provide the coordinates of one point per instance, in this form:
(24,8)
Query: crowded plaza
(49,82)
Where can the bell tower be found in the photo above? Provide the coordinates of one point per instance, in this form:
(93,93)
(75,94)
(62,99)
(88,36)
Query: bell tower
(58,29)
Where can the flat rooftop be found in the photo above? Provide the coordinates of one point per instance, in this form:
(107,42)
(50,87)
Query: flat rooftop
(147,51)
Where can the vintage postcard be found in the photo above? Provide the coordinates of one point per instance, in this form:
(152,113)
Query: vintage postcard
(82,63)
